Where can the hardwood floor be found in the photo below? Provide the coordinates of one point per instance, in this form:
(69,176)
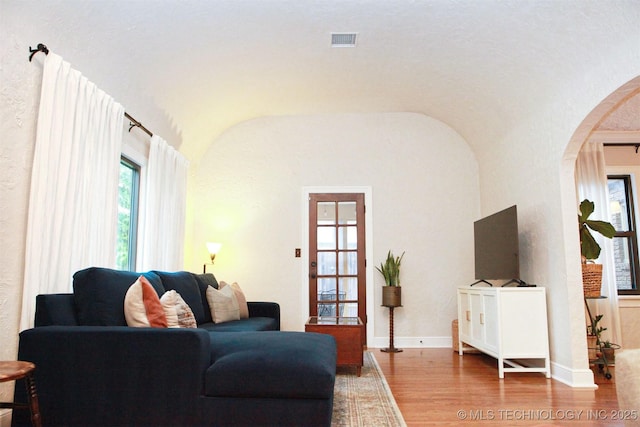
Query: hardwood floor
(437,387)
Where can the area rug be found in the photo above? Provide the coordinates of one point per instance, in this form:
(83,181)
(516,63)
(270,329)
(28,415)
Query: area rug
(365,400)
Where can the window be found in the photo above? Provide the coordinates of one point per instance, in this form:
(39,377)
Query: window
(128,192)
(625,243)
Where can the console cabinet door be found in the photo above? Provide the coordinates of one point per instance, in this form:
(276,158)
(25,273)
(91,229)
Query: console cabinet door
(489,320)
(464,315)
(477,318)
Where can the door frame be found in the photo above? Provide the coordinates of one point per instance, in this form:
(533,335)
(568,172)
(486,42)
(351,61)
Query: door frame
(368,223)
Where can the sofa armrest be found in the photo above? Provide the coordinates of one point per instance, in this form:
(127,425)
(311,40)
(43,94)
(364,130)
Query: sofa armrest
(55,309)
(93,375)
(265,309)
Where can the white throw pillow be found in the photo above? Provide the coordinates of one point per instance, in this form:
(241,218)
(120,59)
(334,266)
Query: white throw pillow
(178,312)
(223,304)
(242,300)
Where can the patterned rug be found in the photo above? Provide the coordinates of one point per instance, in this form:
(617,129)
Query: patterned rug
(365,400)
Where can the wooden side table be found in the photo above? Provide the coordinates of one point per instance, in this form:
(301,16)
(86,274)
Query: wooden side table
(348,334)
(16,370)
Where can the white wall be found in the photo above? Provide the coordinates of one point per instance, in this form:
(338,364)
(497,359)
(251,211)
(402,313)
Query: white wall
(247,191)
(19,92)
(535,170)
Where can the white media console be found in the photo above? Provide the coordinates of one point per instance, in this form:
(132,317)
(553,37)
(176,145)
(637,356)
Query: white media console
(508,323)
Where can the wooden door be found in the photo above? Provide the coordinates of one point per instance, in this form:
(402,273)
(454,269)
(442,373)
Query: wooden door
(337,277)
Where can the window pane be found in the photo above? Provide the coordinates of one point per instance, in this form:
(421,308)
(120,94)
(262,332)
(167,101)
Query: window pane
(625,243)
(622,257)
(618,200)
(127,215)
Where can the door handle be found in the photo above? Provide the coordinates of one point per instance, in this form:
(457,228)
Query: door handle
(313,269)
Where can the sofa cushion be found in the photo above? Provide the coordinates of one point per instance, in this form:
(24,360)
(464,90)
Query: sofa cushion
(223,303)
(186,285)
(272,365)
(99,294)
(243,325)
(204,281)
(178,313)
(142,306)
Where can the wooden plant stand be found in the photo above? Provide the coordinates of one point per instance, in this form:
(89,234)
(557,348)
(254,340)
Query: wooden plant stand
(391,348)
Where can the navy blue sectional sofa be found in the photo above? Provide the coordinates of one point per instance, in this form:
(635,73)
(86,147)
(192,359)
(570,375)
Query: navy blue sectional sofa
(93,370)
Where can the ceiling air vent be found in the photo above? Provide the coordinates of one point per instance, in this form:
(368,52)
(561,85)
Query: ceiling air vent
(343,39)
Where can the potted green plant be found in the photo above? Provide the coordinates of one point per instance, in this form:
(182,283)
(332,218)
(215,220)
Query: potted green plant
(609,351)
(590,249)
(594,331)
(390,270)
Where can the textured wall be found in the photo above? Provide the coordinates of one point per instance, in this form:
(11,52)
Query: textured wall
(19,94)
(424,181)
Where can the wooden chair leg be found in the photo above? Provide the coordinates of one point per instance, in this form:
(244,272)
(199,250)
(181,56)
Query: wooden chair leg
(32,394)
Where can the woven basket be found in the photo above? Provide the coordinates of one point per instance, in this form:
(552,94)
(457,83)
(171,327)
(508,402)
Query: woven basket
(591,346)
(454,336)
(591,279)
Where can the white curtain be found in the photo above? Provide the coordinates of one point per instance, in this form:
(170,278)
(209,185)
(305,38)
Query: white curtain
(591,182)
(162,231)
(74,184)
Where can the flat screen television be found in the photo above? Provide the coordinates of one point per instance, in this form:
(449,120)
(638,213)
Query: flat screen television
(496,247)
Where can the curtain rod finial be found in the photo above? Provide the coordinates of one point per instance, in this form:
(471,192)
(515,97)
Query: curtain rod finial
(40,48)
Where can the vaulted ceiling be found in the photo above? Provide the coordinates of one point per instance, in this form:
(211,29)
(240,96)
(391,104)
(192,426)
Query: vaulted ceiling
(206,65)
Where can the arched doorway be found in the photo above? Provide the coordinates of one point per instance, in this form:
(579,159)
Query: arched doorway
(569,203)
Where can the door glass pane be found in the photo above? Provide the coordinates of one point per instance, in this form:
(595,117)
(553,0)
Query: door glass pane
(326,213)
(349,309)
(348,237)
(327,309)
(326,263)
(347,263)
(326,288)
(347,212)
(623,263)
(348,288)
(326,238)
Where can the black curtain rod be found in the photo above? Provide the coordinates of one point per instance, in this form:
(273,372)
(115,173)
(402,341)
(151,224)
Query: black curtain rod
(133,122)
(623,144)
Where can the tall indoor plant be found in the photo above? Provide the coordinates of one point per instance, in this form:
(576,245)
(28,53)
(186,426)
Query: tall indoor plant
(589,248)
(390,270)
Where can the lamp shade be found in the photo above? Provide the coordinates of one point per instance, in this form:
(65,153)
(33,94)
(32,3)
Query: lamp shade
(213,248)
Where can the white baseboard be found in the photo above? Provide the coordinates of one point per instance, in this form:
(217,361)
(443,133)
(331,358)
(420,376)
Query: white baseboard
(5,417)
(577,378)
(412,342)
